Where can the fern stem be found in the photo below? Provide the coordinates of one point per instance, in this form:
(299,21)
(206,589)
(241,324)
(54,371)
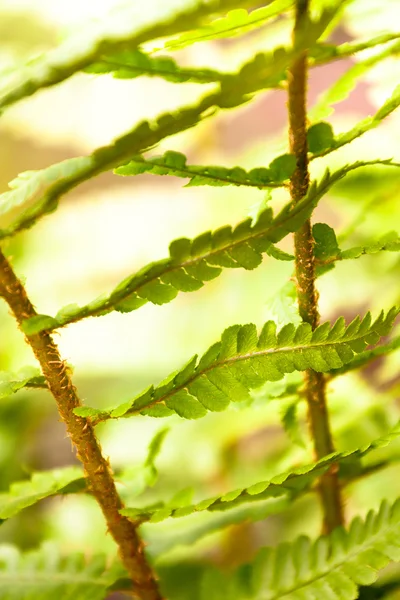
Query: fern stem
(315,390)
(97,469)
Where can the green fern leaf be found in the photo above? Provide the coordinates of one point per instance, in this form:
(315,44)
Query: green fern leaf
(347,82)
(41,485)
(236,22)
(29,377)
(331,567)
(192,262)
(289,484)
(243,361)
(128,26)
(322,53)
(365,125)
(364,358)
(174,163)
(129,64)
(44,574)
(327,251)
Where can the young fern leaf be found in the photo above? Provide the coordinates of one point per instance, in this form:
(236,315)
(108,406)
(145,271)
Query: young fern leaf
(347,82)
(44,574)
(192,262)
(290,484)
(36,193)
(322,53)
(236,22)
(29,377)
(174,163)
(327,251)
(243,361)
(331,567)
(128,26)
(365,125)
(41,485)
(129,64)
(364,358)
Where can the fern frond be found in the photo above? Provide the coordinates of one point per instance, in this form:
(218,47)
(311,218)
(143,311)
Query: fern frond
(29,377)
(192,262)
(364,358)
(365,125)
(129,64)
(243,361)
(322,53)
(41,485)
(36,193)
(331,567)
(44,574)
(341,89)
(174,163)
(303,209)
(125,27)
(290,484)
(236,22)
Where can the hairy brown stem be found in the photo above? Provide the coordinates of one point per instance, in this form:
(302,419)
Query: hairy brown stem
(97,470)
(315,390)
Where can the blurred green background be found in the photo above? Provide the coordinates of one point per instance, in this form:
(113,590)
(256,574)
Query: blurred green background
(112,226)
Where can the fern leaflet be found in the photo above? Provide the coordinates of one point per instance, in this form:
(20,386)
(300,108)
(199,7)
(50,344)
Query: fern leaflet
(45,574)
(174,163)
(243,361)
(192,262)
(291,484)
(41,485)
(236,22)
(331,567)
(29,377)
(346,83)
(128,26)
(129,64)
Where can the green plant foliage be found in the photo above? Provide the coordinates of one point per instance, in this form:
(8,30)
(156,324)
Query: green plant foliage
(320,137)
(331,567)
(322,52)
(327,251)
(366,124)
(174,163)
(236,22)
(40,486)
(192,262)
(44,574)
(29,377)
(129,64)
(347,82)
(291,484)
(243,360)
(126,26)
(364,358)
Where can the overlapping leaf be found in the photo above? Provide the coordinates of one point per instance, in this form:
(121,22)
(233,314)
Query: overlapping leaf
(327,251)
(29,377)
(174,163)
(44,574)
(129,64)
(41,485)
(290,483)
(347,82)
(331,567)
(192,262)
(366,124)
(127,26)
(236,22)
(244,360)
